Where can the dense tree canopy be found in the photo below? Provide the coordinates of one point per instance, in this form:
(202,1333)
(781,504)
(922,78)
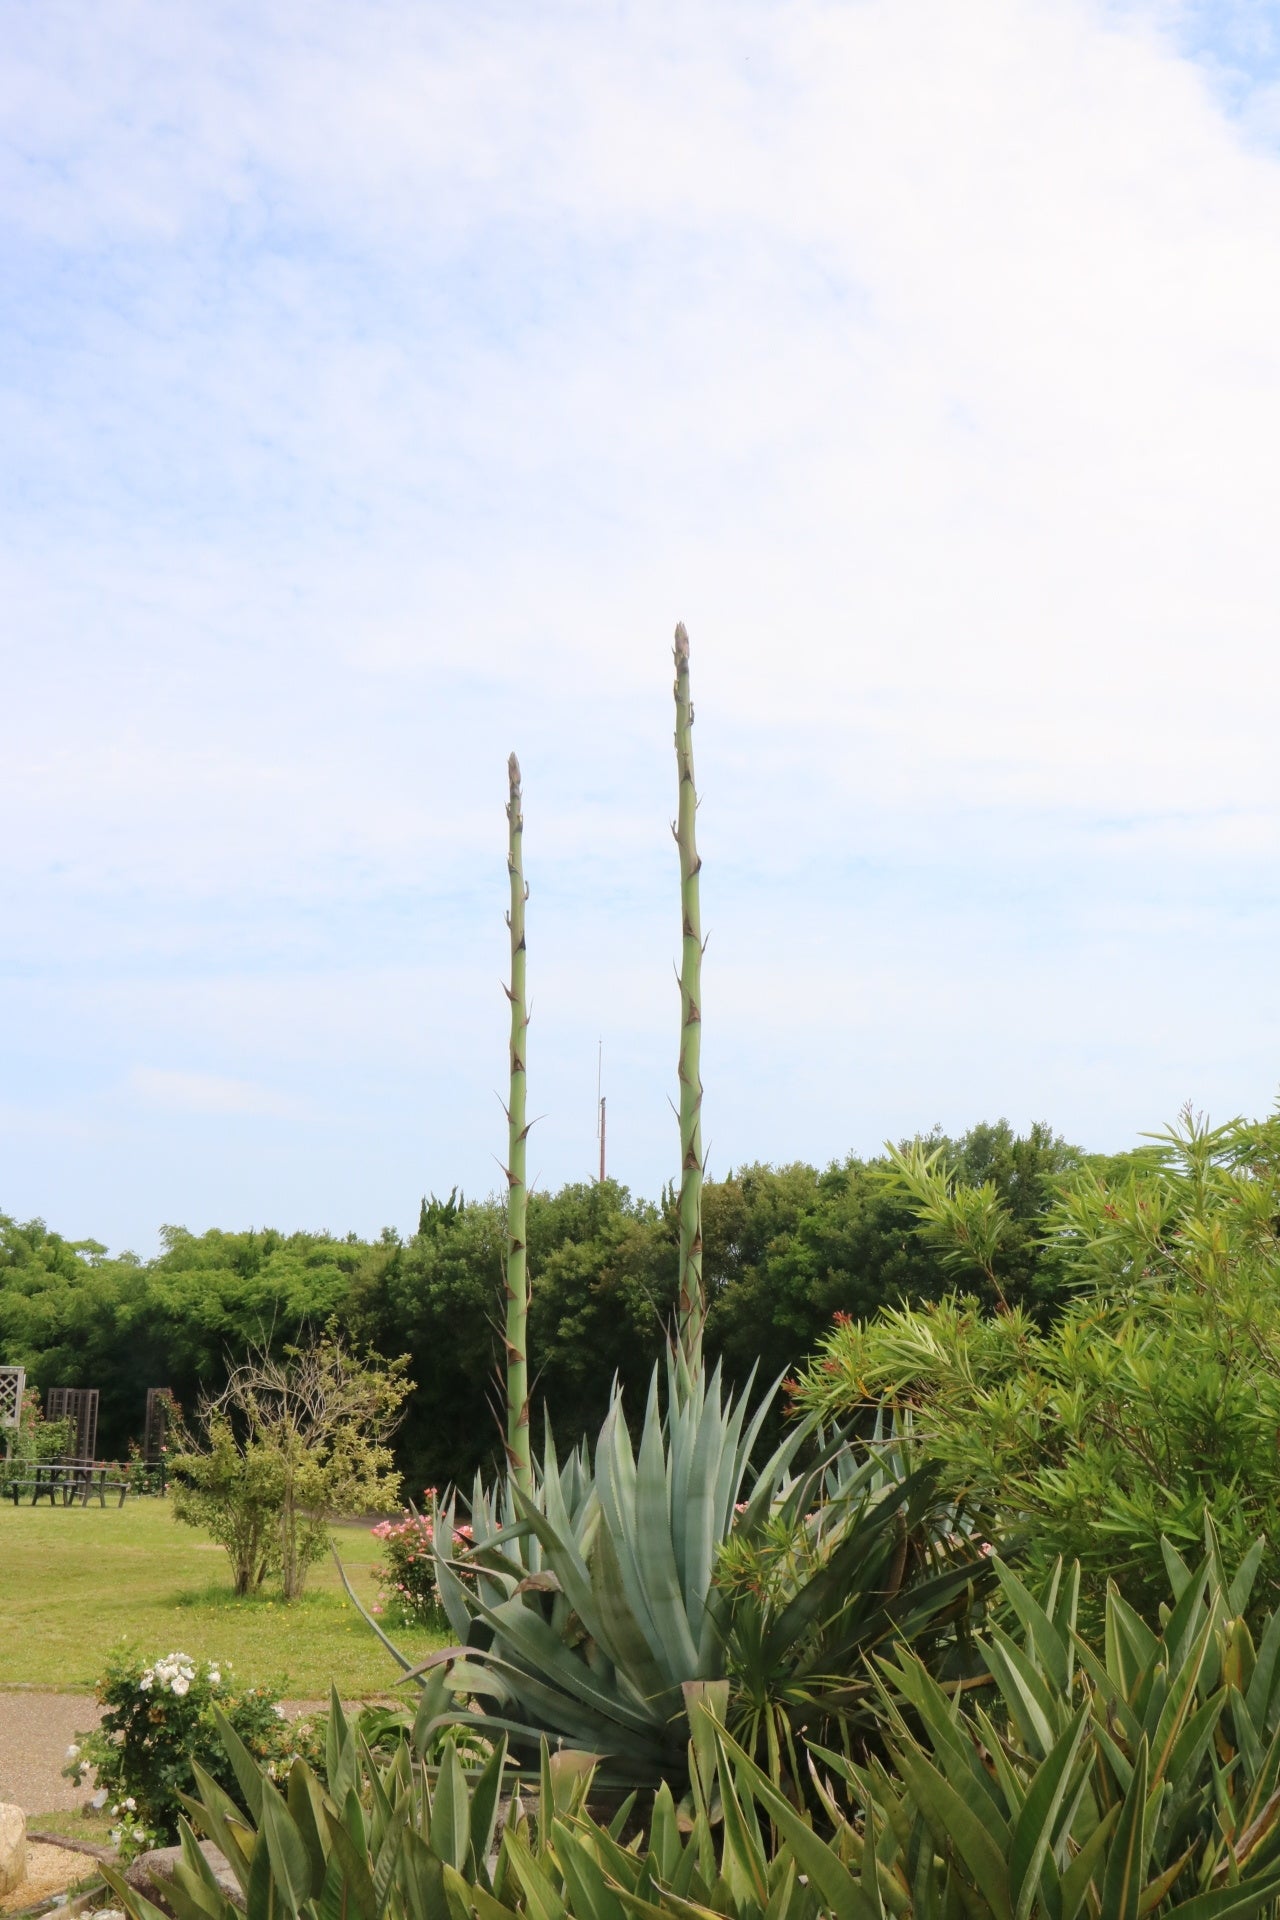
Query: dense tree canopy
(785,1249)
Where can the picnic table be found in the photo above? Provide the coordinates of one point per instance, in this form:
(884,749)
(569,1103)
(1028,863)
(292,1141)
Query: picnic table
(67,1481)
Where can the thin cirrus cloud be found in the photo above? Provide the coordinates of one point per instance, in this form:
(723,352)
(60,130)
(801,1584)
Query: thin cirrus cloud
(379,384)
(208,1093)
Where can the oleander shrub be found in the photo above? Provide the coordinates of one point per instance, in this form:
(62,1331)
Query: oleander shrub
(1151,1402)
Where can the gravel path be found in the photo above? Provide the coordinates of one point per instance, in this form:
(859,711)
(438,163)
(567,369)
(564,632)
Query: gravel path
(35,1732)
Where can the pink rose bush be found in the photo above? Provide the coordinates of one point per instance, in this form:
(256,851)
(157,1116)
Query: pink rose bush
(408,1576)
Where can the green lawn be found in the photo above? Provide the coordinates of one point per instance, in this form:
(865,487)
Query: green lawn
(78,1582)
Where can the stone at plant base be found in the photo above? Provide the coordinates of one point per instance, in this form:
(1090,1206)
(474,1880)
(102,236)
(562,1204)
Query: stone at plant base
(13,1847)
(152,1873)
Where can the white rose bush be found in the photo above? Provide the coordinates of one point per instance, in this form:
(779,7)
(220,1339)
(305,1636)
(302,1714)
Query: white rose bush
(159,1718)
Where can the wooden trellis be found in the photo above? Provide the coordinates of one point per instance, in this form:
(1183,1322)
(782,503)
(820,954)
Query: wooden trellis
(13,1382)
(159,1415)
(79,1405)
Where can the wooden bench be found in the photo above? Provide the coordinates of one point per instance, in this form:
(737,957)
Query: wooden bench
(67,1481)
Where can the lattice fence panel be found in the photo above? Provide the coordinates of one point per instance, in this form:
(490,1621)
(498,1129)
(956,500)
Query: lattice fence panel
(79,1405)
(159,1411)
(12,1382)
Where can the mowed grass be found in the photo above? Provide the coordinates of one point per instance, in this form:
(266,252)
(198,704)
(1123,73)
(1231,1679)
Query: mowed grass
(78,1583)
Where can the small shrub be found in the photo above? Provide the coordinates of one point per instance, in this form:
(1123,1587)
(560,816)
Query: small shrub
(288,1445)
(159,1719)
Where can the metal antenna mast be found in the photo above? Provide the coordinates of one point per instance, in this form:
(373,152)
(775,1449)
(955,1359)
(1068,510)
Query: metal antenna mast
(600,1105)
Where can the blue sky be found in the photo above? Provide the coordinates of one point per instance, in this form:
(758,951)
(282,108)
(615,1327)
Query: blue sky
(379,384)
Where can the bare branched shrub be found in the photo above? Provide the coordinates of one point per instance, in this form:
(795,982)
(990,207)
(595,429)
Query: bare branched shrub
(289,1444)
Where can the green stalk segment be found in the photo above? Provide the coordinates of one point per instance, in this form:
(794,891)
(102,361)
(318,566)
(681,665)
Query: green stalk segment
(519,1456)
(691,1308)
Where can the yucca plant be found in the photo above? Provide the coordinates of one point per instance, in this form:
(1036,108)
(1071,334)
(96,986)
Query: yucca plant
(1137,1781)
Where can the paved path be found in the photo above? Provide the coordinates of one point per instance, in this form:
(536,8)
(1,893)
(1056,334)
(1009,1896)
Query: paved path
(35,1732)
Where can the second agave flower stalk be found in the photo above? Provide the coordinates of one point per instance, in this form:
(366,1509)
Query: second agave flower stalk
(691,1304)
(519,1453)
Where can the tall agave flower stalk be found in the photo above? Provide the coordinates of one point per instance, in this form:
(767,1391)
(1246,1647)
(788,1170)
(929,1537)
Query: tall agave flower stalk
(691,1307)
(519,1457)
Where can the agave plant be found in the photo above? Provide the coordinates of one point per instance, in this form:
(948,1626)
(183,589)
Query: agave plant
(582,1609)
(595,1592)
(584,1612)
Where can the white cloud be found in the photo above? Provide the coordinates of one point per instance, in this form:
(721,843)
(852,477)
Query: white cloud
(209,1093)
(387,380)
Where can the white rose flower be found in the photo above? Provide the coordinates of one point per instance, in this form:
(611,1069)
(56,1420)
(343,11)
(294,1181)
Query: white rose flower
(85,1768)
(179,1686)
(215,1678)
(132,1804)
(146,1682)
(73,1751)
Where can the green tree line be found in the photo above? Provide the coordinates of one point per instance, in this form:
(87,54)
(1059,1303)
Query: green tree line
(786,1249)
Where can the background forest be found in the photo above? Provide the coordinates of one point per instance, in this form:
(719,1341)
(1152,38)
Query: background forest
(786,1248)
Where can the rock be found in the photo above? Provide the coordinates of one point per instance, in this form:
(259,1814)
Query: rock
(13,1847)
(152,1873)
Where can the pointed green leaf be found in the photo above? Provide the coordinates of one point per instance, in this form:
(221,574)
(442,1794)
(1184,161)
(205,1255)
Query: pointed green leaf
(1123,1877)
(1036,1823)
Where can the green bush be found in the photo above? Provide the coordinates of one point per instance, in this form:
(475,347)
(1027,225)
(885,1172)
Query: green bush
(160,1724)
(289,1444)
(1153,1400)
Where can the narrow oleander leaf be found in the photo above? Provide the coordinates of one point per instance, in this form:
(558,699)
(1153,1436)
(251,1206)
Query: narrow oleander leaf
(450,1834)
(1156,1890)
(306,1805)
(1261,1691)
(814,1857)
(541,1899)
(263,1896)
(356,1882)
